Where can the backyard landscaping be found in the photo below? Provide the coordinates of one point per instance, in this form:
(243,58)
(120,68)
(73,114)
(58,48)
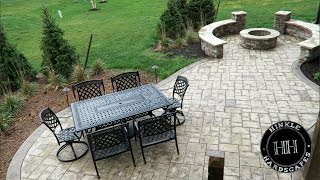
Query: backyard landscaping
(124,37)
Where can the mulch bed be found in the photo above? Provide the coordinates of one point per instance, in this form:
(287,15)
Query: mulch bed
(189,51)
(28,119)
(309,68)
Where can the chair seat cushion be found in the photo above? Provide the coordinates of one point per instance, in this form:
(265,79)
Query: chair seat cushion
(149,140)
(106,152)
(68,134)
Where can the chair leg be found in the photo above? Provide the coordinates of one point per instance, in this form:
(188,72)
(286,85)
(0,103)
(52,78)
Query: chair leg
(144,159)
(95,166)
(74,153)
(177,145)
(134,163)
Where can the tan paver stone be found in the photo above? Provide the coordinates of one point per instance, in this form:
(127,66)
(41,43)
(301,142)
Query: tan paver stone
(159,175)
(196,172)
(59,171)
(88,177)
(51,161)
(231,171)
(76,166)
(71,176)
(232,159)
(228,147)
(226,177)
(38,172)
(196,147)
(28,168)
(44,175)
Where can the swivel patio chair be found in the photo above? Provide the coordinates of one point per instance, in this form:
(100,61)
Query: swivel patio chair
(180,87)
(69,136)
(88,89)
(156,130)
(125,81)
(109,142)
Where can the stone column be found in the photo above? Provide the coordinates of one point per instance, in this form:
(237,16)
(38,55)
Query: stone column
(240,17)
(279,20)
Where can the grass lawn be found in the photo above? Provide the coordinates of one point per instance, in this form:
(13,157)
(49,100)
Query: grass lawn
(124,31)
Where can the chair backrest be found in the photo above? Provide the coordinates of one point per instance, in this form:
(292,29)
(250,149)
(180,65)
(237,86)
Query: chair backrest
(88,89)
(125,81)
(180,87)
(157,125)
(49,118)
(107,138)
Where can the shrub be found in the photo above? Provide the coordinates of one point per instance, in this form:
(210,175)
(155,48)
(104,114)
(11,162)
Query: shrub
(55,81)
(201,12)
(171,22)
(79,74)
(180,42)
(12,103)
(98,67)
(316,76)
(28,88)
(5,119)
(57,53)
(165,42)
(13,65)
(191,36)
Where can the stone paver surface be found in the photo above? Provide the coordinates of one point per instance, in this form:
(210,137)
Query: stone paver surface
(228,106)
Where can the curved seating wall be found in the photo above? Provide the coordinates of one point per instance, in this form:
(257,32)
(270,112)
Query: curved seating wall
(209,35)
(310,47)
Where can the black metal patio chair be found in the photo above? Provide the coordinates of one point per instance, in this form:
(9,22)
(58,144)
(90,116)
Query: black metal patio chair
(180,87)
(156,130)
(109,142)
(88,89)
(69,136)
(125,81)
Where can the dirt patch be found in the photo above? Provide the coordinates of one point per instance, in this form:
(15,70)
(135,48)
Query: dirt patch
(28,119)
(309,68)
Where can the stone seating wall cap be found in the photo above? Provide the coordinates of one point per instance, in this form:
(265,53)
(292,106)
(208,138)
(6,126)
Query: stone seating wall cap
(219,154)
(238,12)
(284,13)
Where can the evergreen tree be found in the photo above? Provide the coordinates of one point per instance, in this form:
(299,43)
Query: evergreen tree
(14,67)
(171,21)
(57,53)
(201,12)
(183,9)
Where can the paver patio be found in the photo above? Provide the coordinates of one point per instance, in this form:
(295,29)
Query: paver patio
(229,104)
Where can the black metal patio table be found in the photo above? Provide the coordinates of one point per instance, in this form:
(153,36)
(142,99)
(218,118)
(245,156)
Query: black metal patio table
(116,107)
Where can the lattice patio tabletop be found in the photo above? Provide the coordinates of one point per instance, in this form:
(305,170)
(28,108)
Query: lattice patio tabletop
(114,107)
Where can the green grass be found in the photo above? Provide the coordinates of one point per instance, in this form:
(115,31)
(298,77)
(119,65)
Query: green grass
(124,31)
(260,13)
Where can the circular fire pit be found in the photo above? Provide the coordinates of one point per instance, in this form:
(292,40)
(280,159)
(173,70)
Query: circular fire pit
(258,38)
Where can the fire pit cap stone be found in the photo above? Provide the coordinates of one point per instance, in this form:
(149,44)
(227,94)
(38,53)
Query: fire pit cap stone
(266,33)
